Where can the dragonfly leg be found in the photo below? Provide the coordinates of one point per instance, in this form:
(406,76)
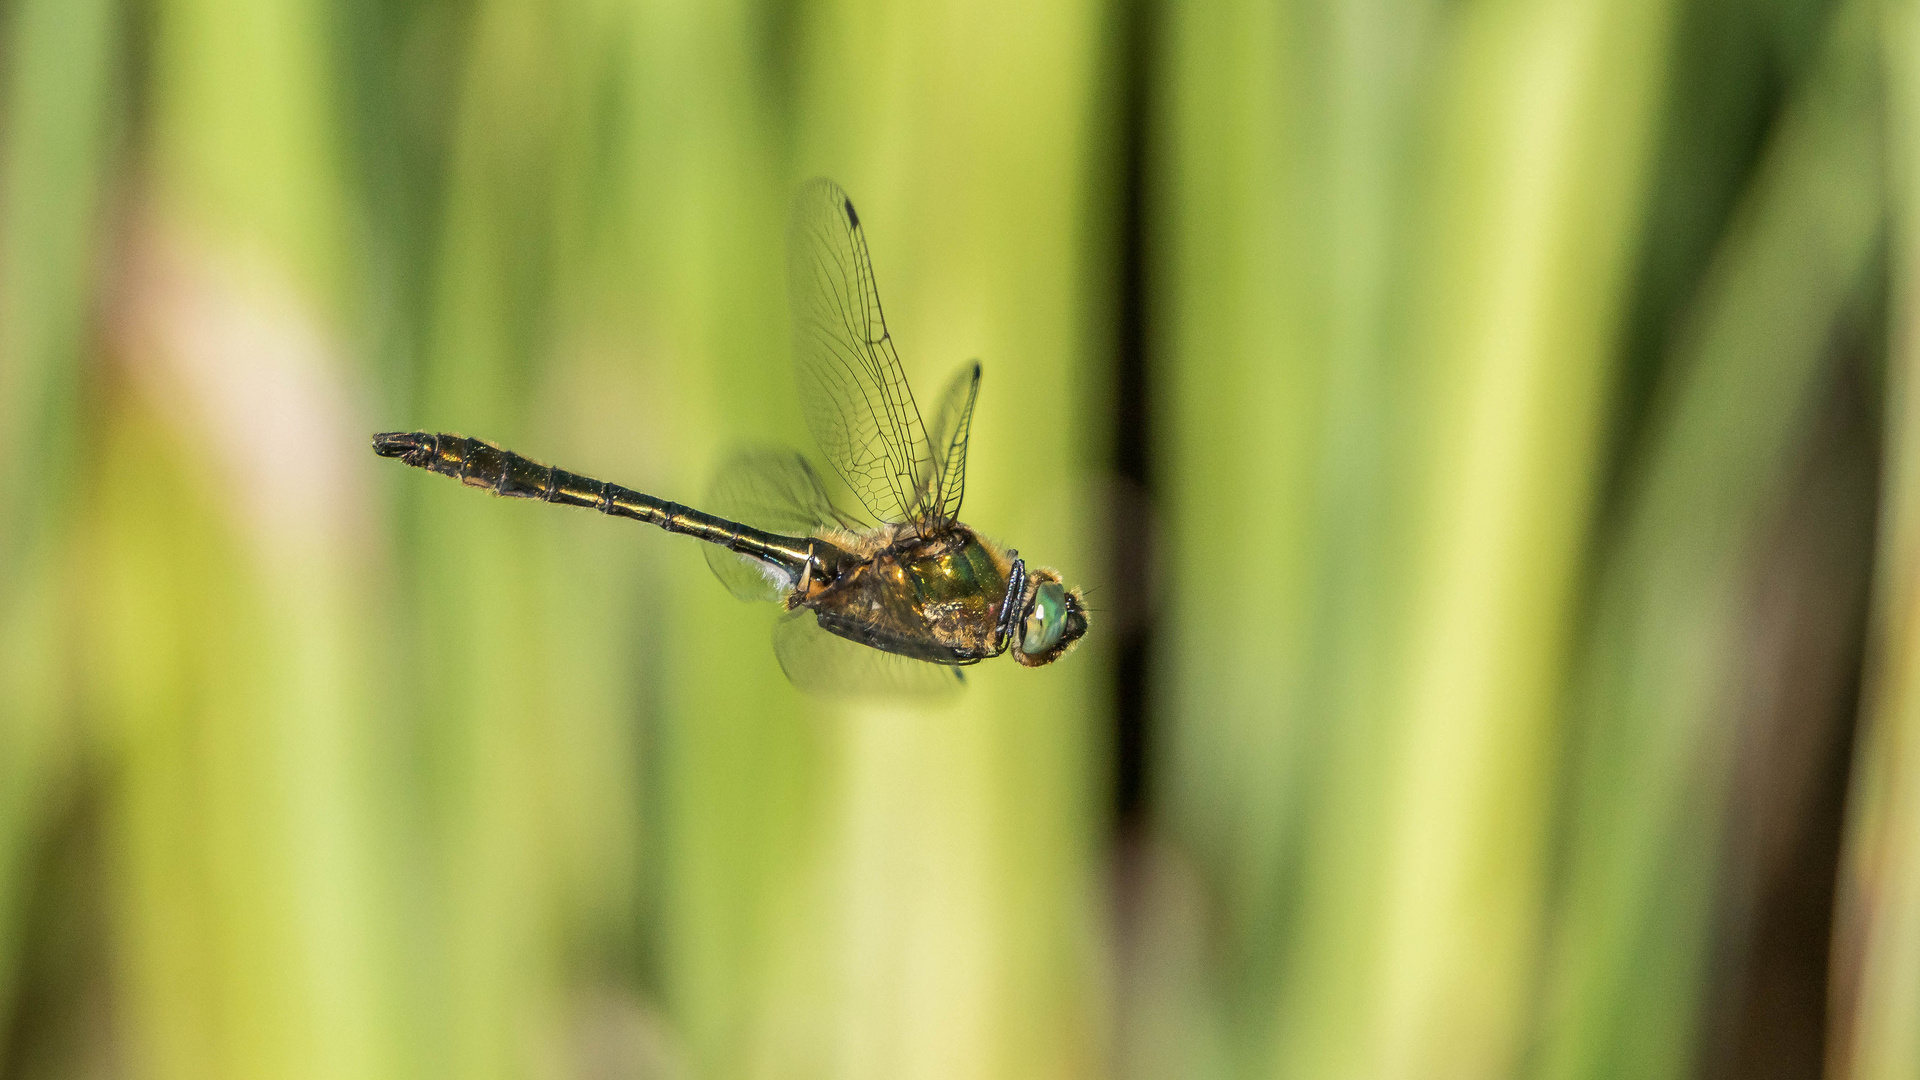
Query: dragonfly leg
(1010,606)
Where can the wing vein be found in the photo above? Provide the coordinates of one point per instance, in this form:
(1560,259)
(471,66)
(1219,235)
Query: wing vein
(853,390)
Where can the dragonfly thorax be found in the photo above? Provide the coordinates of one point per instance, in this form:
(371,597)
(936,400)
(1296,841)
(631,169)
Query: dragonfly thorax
(947,596)
(936,596)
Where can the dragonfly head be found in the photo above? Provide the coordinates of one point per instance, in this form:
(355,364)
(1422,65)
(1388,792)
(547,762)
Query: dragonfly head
(1051,619)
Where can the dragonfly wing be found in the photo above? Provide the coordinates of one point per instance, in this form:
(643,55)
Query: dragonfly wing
(852,388)
(775,489)
(771,489)
(944,483)
(827,665)
(745,577)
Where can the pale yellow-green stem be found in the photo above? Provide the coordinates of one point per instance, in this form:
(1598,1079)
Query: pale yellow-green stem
(1875,976)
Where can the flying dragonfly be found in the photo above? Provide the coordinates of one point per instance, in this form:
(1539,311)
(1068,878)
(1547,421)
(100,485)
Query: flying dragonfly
(899,599)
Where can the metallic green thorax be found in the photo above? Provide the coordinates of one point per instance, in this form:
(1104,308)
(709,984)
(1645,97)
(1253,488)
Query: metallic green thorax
(936,598)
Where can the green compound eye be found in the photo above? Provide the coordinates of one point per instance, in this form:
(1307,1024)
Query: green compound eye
(1045,620)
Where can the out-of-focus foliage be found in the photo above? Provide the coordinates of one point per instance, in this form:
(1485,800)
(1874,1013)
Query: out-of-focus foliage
(1504,547)
(1876,963)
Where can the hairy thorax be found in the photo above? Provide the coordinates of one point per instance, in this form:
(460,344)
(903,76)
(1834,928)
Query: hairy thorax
(935,597)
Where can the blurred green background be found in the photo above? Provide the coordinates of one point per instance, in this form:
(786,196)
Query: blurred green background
(1489,430)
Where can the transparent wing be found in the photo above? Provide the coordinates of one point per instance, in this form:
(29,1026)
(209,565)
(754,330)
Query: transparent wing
(775,489)
(827,665)
(747,578)
(852,388)
(943,483)
(771,489)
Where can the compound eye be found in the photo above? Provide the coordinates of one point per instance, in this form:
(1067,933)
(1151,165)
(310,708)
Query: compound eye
(1045,620)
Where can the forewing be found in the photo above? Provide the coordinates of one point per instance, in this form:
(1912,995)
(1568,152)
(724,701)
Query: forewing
(852,388)
(770,489)
(827,665)
(943,483)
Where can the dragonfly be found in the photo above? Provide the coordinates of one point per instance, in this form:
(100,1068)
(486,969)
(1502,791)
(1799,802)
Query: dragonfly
(898,599)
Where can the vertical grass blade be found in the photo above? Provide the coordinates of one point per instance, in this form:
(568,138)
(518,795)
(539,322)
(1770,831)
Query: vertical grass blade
(961,865)
(61,105)
(1546,129)
(231,584)
(1395,246)
(1875,978)
(1653,698)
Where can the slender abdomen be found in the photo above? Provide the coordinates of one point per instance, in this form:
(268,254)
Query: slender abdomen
(503,472)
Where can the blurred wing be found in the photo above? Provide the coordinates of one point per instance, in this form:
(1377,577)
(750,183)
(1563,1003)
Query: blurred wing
(944,482)
(747,578)
(852,388)
(773,490)
(827,665)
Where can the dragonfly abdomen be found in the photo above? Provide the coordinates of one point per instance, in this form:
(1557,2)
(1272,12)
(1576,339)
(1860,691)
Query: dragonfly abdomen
(483,465)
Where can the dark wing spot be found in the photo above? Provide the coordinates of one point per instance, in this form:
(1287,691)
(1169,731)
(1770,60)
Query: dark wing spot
(853,219)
